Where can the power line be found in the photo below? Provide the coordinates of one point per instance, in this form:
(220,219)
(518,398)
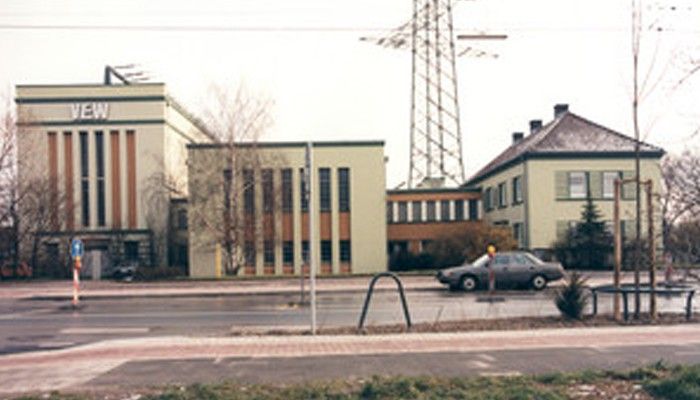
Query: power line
(275,29)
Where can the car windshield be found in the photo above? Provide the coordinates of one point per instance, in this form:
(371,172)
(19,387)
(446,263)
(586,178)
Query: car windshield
(534,259)
(481,261)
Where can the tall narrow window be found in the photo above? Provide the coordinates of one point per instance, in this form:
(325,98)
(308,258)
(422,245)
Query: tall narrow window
(417,211)
(288,253)
(502,195)
(473,209)
(517,190)
(459,210)
(228,180)
(343,189)
(249,252)
(324,178)
(578,185)
(100,169)
(345,253)
(326,251)
(403,211)
(268,190)
(609,184)
(305,251)
(389,212)
(84,179)
(431,214)
(269,252)
(302,190)
(287,190)
(249,191)
(444,210)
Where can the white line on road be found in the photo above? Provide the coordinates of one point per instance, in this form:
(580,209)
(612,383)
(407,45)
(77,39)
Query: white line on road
(102,331)
(500,374)
(486,357)
(479,364)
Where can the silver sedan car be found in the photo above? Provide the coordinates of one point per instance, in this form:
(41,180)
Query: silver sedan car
(511,269)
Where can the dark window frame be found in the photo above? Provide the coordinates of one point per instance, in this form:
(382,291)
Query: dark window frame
(344,189)
(345,251)
(324,182)
(326,251)
(287,191)
(84,177)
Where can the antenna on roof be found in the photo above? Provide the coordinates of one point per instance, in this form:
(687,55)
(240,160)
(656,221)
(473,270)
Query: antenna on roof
(127,74)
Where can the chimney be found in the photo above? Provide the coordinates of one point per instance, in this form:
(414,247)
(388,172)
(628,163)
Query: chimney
(560,109)
(517,137)
(535,125)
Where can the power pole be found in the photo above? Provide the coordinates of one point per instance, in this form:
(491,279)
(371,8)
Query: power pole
(436,155)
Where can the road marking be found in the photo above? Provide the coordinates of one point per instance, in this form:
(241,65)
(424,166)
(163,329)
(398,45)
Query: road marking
(479,364)
(500,374)
(486,357)
(102,331)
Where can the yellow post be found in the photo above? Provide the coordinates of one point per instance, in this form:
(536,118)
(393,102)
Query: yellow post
(217,261)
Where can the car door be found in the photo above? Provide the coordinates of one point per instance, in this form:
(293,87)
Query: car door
(501,268)
(522,269)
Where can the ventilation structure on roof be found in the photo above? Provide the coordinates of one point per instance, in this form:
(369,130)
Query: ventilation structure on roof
(560,109)
(535,125)
(517,137)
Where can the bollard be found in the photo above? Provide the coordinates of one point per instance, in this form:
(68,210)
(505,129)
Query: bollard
(76,282)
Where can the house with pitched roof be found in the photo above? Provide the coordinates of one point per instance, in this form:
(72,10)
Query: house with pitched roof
(539,184)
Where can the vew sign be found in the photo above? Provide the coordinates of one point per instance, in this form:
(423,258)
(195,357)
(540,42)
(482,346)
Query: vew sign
(89,111)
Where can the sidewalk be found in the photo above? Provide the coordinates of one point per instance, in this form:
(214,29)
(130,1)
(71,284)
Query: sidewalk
(185,288)
(70,368)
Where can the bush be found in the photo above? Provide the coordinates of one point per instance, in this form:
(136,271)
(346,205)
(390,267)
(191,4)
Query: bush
(571,300)
(470,244)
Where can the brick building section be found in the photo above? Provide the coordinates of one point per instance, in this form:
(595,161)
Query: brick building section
(416,217)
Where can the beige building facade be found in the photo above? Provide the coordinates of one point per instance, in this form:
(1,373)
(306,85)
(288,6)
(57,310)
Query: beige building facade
(264,195)
(538,186)
(100,152)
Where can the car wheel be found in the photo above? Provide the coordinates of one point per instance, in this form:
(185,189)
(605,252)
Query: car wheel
(468,283)
(538,282)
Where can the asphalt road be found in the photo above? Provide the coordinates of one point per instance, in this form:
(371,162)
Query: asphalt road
(29,324)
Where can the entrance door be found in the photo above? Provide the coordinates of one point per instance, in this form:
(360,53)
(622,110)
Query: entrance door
(96,263)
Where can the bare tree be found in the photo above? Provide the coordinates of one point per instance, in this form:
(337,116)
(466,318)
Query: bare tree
(235,166)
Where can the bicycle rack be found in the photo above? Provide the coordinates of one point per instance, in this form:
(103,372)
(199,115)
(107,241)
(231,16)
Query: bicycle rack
(370,290)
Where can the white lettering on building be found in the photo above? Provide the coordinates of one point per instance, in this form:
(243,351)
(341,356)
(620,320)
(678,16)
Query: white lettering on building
(89,111)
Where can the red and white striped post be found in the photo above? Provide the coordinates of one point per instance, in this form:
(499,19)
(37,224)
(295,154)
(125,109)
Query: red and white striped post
(76,282)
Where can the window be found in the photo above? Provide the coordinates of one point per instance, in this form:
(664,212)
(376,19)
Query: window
(517,190)
(444,210)
(269,252)
(609,184)
(487,199)
(501,259)
(518,233)
(182,219)
(84,179)
(249,252)
(52,252)
(417,211)
(268,191)
(343,189)
(249,191)
(305,251)
(324,178)
(578,185)
(502,202)
(345,253)
(100,169)
(131,250)
(228,180)
(181,255)
(473,210)
(459,210)
(403,211)
(431,212)
(326,251)
(302,189)
(389,211)
(287,190)
(288,253)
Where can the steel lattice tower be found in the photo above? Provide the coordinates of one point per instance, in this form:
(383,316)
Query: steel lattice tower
(436,139)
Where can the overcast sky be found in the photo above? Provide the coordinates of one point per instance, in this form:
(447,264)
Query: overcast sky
(328,85)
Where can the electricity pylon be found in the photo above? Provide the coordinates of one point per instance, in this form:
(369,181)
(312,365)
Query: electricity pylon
(436,155)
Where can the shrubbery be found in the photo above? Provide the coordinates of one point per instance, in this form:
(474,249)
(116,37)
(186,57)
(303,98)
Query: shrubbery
(571,300)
